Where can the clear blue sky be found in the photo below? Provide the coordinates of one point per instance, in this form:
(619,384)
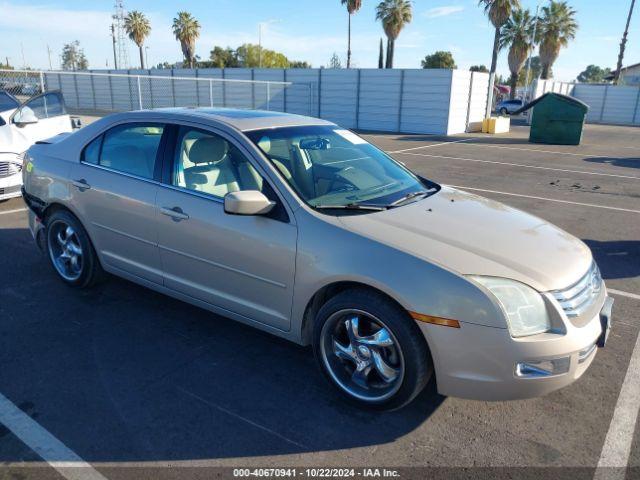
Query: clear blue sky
(302,29)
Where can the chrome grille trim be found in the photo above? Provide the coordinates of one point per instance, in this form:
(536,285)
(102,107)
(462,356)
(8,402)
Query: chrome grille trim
(577,298)
(9,168)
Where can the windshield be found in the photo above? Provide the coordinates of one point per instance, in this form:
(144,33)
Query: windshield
(332,167)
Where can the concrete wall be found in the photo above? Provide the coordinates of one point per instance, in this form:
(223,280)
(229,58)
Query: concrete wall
(433,101)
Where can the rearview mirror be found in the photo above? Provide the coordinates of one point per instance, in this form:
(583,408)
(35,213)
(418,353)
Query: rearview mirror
(24,116)
(315,143)
(247,202)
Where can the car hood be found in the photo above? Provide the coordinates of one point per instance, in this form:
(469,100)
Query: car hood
(470,234)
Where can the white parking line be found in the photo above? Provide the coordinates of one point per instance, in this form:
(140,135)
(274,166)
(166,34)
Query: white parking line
(635,296)
(489,145)
(432,145)
(547,199)
(6,212)
(48,447)
(614,457)
(465,159)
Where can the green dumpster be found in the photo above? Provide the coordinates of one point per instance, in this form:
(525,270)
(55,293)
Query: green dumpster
(556,119)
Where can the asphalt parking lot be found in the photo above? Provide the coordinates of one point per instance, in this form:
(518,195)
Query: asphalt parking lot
(122,377)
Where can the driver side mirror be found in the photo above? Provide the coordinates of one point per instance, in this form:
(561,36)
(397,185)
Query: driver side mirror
(247,202)
(24,116)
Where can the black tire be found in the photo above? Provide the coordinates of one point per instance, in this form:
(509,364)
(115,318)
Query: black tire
(88,271)
(504,111)
(412,358)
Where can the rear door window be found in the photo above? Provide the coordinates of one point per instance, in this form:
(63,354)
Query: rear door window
(129,148)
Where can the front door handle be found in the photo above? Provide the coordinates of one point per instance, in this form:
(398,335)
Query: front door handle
(81,184)
(176,213)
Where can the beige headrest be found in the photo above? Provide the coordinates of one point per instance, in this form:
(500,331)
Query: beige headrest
(208,150)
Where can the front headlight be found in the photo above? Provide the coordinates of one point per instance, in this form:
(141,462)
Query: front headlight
(523,307)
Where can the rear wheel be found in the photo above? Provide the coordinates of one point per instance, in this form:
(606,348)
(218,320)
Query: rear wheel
(70,251)
(504,111)
(370,350)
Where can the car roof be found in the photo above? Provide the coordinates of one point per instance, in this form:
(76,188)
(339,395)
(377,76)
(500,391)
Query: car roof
(245,120)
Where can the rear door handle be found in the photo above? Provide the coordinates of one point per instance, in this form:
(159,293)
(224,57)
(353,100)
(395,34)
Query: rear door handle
(176,213)
(81,184)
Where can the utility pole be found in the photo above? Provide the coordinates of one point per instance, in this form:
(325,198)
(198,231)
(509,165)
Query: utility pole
(113,37)
(533,40)
(49,54)
(24,62)
(260,45)
(623,44)
(146,56)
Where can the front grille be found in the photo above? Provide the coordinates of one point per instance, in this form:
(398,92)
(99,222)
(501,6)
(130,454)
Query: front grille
(9,168)
(577,298)
(9,190)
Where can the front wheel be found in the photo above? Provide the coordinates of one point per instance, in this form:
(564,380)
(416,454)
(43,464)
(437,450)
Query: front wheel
(504,111)
(370,350)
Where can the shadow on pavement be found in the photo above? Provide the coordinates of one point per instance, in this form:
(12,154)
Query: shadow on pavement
(616,259)
(616,161)
(120,373)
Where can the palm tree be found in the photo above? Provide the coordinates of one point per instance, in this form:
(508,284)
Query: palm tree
(556,26)
(187,30)
(394,15)
(352,7)
(499,12)
(138,28)
(516,34)
(623,44)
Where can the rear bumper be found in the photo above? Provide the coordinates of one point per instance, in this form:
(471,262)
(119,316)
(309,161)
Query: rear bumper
(482,363)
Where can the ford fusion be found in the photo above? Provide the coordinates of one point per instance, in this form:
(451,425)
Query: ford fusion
(303,229)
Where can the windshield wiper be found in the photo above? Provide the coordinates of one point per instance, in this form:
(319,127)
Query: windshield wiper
(352,206)
(409,196)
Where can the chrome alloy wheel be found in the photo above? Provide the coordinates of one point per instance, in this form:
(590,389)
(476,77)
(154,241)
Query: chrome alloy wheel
(65,250)
(362,355)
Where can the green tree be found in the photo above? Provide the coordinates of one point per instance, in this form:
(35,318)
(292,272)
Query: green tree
(535,70)
(439,59)
(138,28)
(73,57)
(623,44)
(479,68)
(381,55)
(224,57)
(352,7)
(334,61)
(516,34)
(556,27)
(187,30)
(593,74)
(299,64)
(498,12)
(249,57)
(394,15)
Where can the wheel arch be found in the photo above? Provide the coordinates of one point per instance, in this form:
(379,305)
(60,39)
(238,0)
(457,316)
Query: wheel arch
(328,291)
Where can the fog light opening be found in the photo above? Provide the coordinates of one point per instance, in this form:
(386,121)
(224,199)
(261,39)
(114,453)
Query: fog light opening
(543,368)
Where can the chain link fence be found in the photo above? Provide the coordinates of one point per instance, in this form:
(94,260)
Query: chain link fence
(22,84)
(101,93)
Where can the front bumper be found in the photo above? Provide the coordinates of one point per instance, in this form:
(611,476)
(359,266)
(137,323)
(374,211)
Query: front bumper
(10,186)
(481,363)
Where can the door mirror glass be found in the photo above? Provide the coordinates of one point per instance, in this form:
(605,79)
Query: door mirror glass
(25,116)
(247,202)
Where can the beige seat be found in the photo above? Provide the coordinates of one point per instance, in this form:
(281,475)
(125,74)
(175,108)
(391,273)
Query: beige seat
(213,172)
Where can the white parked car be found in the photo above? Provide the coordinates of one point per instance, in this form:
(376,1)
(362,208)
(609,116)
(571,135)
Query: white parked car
(21,125)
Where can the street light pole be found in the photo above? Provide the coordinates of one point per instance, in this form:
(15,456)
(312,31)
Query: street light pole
(146,56)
